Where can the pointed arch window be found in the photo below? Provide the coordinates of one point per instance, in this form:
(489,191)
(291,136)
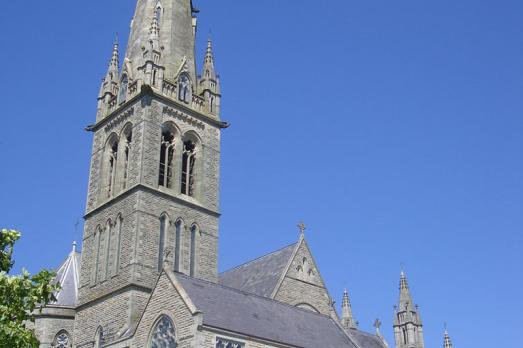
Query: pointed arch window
(192,265)
(96,246)
(62,340)
(161,248)
(128,138)
(118,237)
(184,88)
(122,94)
(167,148)
(99,338)
(111,165)
(188,166)
(107,253)
(178,227)
(163,334)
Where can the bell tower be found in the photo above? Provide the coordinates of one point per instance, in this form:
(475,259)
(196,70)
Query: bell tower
(153,194)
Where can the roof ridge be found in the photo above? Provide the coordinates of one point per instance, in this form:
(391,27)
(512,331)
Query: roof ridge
(258,258)
(251,294)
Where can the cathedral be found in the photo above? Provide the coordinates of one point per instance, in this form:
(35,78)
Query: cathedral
(147,276)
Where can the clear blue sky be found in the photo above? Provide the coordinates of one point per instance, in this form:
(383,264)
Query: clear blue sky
(392,128)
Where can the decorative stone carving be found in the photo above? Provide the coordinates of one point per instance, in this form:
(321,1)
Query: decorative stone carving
(183,117)
(226,343)
(119,119)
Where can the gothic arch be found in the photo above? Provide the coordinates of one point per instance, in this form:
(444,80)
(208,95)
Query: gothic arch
(185,88)
(109,168)
(117,236)
(191,164)
(165,222)
(163,333)
(169,149)
(107,233)
(96,249)
(179,234)
(193,251)
(126,139)
(99,337)
(62,340)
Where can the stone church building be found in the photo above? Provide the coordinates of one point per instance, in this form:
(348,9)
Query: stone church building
(147,276)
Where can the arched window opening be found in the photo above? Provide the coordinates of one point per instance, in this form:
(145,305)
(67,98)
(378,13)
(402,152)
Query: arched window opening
(188,162)
(118,232)
(164,334)
(62,340)
(184,88)
(122,95)
(212,104)
(207,73)
(161,249)
(96,245)
(158,12)
(107,235)
(177,244)
(154,77)
(405,336)
(165,178)
(192,265)
(112,157)
(99,338)
(128,136)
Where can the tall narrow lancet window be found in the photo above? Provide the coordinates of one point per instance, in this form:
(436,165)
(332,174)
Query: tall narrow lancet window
(117,245)
(128,138)
(188,162)
(167,148)
(99,338)
(107,253)
(161,248)
(163,334)
(178,227)
(96,247)
(158,12)
(192,266)
(122,94)
(111,158)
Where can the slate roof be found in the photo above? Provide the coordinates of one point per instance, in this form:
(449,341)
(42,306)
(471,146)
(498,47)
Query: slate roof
(366,340)
(259,276)
(252,315)
(68,275)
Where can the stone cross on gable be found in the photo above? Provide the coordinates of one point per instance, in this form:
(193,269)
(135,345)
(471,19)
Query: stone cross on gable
(302,227)
(377,324)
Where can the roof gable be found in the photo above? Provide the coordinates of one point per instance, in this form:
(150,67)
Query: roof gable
(262,275)
(256,316)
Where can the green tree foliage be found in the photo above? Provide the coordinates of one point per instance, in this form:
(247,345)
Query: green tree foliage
(21,297)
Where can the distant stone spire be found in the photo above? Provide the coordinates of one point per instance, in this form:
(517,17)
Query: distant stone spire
(347,319)
(408,328)
(109,87)
(447,342)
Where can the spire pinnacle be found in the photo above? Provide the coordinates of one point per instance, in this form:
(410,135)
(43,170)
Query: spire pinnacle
(114,64)
(154,30)
(347,319)
(447,342)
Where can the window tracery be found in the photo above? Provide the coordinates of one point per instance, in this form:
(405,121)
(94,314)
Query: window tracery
(227,343)
(61,340)
(164,334)
(167,148)
(188,162)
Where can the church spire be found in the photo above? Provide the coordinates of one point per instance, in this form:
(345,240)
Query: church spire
(114,64)
(347,319)
(408,328)
(175,20)
(109,87)
(447,342)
